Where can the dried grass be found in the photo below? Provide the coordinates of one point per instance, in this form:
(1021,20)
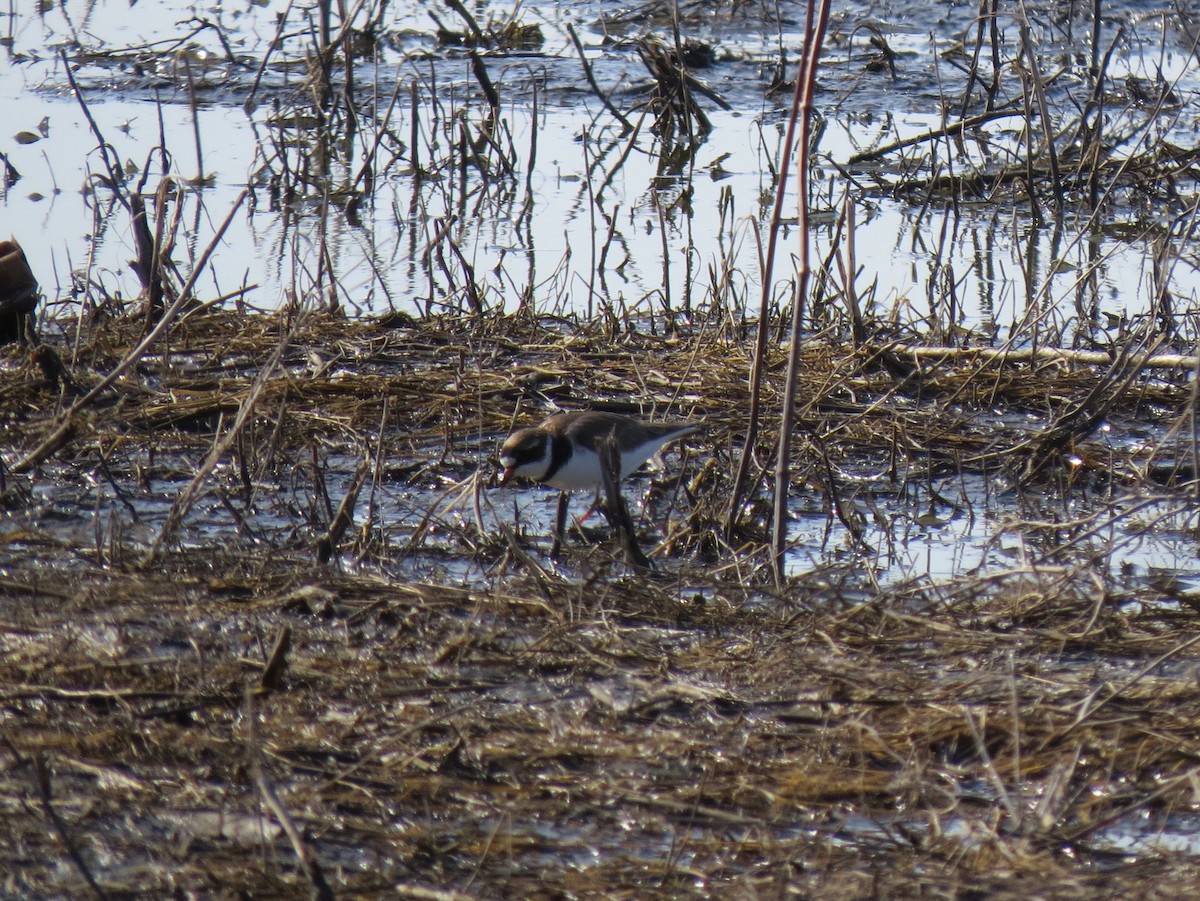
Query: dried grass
(266,630)
(584,733)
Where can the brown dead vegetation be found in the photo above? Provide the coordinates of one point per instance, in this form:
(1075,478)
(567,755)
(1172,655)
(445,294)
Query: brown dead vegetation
(590,731)
(269,628)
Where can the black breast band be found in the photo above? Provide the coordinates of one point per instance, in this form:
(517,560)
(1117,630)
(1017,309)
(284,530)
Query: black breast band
(560,452)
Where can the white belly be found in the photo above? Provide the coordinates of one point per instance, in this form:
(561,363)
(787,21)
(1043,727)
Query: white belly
(582,471)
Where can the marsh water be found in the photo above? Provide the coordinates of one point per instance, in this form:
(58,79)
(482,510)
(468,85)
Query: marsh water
(420,200)
(219,82)
(588,218)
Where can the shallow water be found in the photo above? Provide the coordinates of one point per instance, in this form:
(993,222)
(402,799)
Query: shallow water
(586,219)
(590,217)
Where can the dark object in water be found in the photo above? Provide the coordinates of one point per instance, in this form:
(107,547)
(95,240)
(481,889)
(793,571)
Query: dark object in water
(18,293)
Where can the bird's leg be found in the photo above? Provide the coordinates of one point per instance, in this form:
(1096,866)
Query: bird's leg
(592,509)
(560,524)
(614,508)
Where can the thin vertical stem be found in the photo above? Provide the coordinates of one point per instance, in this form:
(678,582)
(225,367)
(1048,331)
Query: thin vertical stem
(814,35)
(767,266)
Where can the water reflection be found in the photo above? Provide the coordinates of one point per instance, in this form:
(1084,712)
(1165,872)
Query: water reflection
(425,200)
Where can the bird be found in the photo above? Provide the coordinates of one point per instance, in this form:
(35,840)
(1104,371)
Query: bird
(564,452)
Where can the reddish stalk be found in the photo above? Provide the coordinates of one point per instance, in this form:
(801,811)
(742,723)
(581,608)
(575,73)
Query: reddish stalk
(814,34)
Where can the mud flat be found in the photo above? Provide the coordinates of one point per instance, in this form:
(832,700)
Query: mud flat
(269,625)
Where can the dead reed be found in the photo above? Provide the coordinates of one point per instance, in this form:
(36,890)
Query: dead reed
(232,717)
(269,628)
